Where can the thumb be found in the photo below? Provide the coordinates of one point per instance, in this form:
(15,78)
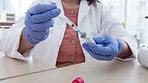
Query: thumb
(40,8)
(104,39)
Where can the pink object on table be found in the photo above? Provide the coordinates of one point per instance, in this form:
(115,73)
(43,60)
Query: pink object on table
(78,80)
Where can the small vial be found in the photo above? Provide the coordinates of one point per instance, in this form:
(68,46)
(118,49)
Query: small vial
(87,39)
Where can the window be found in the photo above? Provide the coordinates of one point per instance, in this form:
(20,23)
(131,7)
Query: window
(136,22)
(21,7)
(142,13)
(142,22)
(134,13)
(16,7)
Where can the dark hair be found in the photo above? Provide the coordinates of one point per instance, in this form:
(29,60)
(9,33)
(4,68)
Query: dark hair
(92,1)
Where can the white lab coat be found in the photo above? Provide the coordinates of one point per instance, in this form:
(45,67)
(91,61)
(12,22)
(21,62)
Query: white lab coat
(93,20)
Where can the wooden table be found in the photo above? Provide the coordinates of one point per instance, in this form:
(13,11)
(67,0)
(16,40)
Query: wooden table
(6,23)
(12,68)
(92,72)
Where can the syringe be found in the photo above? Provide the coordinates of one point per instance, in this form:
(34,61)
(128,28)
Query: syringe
(83,35)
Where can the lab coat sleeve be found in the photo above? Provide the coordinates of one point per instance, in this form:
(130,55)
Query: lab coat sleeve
(114,28)
(10,40)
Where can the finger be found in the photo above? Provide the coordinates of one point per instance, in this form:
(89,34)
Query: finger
(85,46)
(43,26)
(32,40)
(40,8)
(40,26)
(100,49)
(94,55)
(102,39)
(37,34)
(38,18)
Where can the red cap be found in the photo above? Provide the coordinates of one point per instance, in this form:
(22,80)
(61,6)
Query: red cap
(78,80)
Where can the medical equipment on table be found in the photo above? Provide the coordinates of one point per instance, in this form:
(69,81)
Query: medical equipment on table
(73,26)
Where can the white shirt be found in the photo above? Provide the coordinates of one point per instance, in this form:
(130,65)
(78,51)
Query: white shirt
(95,21)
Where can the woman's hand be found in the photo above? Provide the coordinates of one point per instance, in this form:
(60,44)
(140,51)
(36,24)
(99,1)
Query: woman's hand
(38,22)
(104,48)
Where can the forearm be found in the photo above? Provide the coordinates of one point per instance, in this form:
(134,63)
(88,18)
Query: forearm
(126,51)
(24,44)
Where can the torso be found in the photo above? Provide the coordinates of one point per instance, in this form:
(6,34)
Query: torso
(70,50)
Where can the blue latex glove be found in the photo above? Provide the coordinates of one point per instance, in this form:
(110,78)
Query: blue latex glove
(104,48)
(38,21)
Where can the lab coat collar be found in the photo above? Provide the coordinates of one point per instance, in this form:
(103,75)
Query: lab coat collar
(59,4)
(83,10)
